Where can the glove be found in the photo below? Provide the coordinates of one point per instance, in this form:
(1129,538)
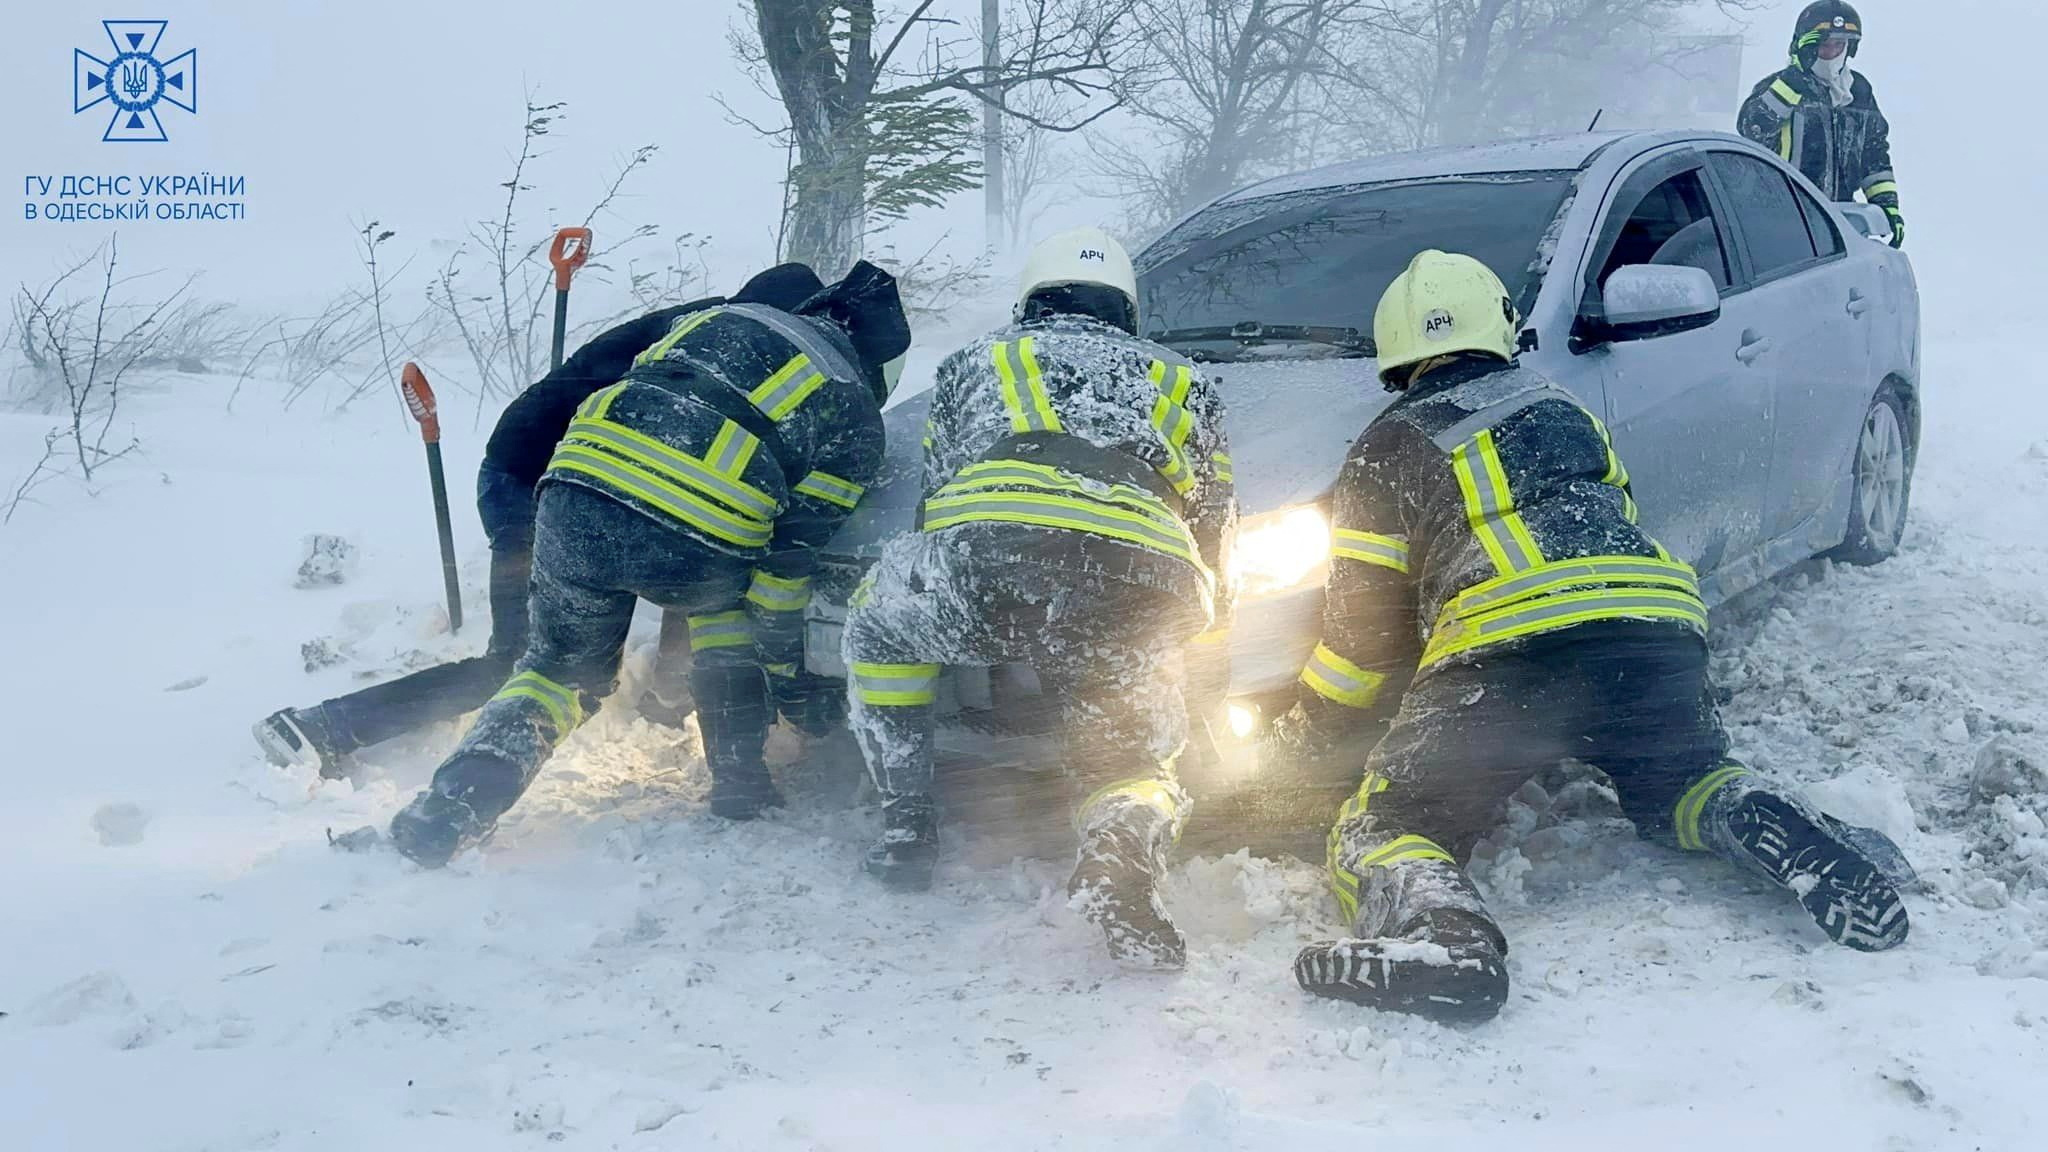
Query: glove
(1898,225)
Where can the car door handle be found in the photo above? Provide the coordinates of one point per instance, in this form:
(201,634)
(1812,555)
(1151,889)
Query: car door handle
(1752,347)
(1858,302)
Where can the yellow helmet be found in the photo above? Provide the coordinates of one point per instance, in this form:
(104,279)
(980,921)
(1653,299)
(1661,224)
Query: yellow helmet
(1443,303)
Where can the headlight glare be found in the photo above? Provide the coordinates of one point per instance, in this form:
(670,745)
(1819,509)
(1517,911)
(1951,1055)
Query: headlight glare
(1282,552)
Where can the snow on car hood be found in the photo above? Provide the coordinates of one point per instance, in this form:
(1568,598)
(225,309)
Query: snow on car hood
(1290,423)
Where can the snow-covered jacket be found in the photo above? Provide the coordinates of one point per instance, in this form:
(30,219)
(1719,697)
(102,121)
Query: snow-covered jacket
(1482,507)
(1843,150)
(1067,440)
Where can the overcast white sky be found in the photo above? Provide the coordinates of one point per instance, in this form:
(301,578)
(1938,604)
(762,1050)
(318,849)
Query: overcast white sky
(409,111)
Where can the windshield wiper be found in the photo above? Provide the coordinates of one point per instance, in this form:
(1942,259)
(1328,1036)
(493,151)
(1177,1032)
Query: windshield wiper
(1252,334)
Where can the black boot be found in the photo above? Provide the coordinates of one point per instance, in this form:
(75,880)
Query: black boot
(1116,879)
(743,793)
(1813,856)
(458,810)
(1441,956)
(301,738)
(908,850)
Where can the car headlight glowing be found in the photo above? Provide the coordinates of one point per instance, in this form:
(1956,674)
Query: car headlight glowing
(1243,721)
(1282,552)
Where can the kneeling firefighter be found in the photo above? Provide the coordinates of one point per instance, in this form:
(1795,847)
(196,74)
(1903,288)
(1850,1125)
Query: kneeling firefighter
(1077,510)
(702,482)
(1489,577)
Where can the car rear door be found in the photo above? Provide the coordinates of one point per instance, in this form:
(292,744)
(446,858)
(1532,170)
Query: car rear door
(1818,349)
(1689,411)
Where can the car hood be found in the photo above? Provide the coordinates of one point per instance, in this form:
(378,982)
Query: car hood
(1290,423)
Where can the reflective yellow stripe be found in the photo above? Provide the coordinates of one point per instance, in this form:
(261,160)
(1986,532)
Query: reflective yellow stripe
(1617,472)
(599,402)
(1685,816)
(1785,141)
(1371,548)
(1553,612)
(1879,188)
(1212,637)
(1490,505)
(1023,387)
(1050,510)
(786,671)
(683,326)
(1220,462)
(626,479)
(731,450)
(674,466)
(1339,680)
(831,489)
(1175,424)
(779,593)
(1014,473)
(895,685)
(1786,92)
(1405,848)
(720,630)
(1174,380)
(792,384)
(1147,790)
(562,705)
(1623,571)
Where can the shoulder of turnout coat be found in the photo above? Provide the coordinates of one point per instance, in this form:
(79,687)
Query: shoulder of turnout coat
(1843,150)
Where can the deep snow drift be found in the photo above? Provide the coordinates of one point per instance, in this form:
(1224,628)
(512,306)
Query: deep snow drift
(187,965)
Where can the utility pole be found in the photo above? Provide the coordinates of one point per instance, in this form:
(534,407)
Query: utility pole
(992,175)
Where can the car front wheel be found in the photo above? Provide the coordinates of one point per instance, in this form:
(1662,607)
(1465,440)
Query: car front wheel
(1881,483)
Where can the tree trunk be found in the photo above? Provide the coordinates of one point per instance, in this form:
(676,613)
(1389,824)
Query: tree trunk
(1465,103)
(825,101)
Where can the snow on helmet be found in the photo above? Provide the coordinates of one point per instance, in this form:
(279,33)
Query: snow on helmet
(1082,271)
(1822,21)
(1442,304)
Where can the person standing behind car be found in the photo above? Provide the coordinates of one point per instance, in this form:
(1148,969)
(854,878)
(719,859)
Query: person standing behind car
(1821,115)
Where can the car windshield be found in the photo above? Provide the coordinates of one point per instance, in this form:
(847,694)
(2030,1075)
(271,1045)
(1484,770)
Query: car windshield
(1320,261)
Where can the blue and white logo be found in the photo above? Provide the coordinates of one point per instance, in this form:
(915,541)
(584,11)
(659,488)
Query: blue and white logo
(135,80)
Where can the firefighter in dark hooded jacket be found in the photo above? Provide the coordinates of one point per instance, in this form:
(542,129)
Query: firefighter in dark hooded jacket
(702,481)
(1489,579)
(324,735)
(1822,116)
(1077,510)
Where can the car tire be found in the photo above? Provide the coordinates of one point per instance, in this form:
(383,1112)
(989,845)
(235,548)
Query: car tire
(1880,483)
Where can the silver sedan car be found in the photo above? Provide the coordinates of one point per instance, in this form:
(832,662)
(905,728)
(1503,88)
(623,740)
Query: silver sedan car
(1755,350)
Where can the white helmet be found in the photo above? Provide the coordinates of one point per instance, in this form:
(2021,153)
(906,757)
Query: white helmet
(1082,257)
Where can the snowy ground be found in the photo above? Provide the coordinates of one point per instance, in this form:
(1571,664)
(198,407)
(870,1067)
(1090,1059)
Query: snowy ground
(198,970)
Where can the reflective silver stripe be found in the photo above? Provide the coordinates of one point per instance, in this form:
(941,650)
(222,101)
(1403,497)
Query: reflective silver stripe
(688,470)
(1492,509)
(831,489)
(1498,411)
(1353,687)
(1515,587)
(733,448)
(720,630)
(824,355)
(1778,105)
(675,501)
(977,478)
(1615,604)
(944,513)
(906,678)
(1371,548)
(780,394)
(1027,414)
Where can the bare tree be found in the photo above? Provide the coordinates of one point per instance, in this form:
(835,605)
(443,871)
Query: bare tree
(88,344)
(1227,86)
(880,110)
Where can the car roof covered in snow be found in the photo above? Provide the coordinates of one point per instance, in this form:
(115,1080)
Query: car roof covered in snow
(1535,154)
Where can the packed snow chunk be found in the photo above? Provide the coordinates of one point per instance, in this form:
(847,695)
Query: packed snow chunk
(119,825)
(95,994)
(2004,770)
(329,560)
(1870,797)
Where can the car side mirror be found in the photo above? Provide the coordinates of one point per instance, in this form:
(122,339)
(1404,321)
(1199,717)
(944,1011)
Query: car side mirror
(1644,301)
(1868,219)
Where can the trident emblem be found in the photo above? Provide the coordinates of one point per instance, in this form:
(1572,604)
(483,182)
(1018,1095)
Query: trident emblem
(135,81)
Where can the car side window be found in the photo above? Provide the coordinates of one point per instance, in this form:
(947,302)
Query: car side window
(1673,225)
(1820,228)
(1773,223)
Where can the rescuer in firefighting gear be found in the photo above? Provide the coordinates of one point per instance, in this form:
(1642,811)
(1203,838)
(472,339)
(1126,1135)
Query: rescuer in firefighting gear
(1821,115)
(1490,580)
(703,481)
(516,456)
(1077,512)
